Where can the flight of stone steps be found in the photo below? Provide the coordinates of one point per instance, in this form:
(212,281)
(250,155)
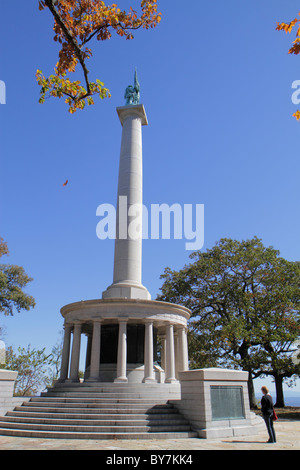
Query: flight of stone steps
(109,411)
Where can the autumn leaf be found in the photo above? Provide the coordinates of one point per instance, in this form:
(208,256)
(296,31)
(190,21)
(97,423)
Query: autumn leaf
(297,115)
(76,23)
(65,183)
(295,49)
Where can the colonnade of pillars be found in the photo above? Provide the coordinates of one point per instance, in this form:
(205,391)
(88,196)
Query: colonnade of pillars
(174,355)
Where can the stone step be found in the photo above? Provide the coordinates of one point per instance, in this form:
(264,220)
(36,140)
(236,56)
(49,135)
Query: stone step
(98,413)
(86,405)
(94,416)
(116,386)
(95,422)
(123,395)
(97,399)
(95,435)
(109,410)
(89,429)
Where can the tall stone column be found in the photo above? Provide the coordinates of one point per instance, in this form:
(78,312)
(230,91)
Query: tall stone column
(122,352)
(65,354)
(95,352)
(170,355)
(148,354)
(182,350)
(127,280)
(75,353)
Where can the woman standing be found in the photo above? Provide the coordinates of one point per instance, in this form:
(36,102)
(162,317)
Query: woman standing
(267,408)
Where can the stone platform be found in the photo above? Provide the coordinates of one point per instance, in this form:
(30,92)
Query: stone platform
(99,411)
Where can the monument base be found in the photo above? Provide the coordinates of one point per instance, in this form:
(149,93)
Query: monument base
(123,290)
(215,402)
(135,373)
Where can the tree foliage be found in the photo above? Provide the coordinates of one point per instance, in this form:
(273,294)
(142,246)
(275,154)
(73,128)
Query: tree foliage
(245,304)
(76,23)
(31,365)
(13,279)
(295,48)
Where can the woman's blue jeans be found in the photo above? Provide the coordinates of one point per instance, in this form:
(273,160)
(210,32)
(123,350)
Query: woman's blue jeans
(269,423)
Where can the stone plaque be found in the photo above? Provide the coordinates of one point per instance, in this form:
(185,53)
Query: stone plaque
(227,402)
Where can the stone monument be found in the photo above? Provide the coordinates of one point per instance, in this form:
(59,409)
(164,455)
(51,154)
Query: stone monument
(123,328)
(126,393)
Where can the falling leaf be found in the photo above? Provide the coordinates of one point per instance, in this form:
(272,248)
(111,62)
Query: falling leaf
(65,183)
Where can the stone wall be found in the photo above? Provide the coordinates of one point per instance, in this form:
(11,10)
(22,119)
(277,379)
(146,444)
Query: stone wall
(7,401)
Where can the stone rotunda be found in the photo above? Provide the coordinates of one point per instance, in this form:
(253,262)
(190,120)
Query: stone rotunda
(124,327)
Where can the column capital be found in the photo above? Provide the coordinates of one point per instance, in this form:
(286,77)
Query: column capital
(132,110)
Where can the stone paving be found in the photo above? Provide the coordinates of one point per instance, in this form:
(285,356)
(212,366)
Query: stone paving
(288,438)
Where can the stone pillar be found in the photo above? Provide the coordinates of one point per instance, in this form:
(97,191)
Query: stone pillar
(185,351)
(7,383)
(163,352)
(95,355)
(182,350)
(122,352)
(127,280)
(65,354)
(148,354)
(88,354)
(75,353)
(170,355)
(176,353)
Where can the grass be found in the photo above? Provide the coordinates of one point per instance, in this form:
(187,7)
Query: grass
(288,413)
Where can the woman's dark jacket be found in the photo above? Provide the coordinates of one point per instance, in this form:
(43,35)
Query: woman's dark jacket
(267,405)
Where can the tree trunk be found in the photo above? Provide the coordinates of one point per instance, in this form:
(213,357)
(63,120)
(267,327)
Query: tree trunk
(279,391)
(251,392)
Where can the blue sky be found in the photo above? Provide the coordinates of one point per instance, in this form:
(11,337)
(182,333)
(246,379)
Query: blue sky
(216,85)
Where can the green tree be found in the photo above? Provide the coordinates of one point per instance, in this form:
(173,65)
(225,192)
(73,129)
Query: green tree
(245,307)
(13,279)
(32,366)
(55,361)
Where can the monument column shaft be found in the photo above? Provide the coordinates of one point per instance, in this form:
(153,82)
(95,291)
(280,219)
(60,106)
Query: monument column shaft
(127,277)
(128,252)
